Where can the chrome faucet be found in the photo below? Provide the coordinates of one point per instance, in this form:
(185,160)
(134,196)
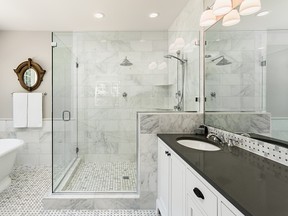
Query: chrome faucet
(214,137)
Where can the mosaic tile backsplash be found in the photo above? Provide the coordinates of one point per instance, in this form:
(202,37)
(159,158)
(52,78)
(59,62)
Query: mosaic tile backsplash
(273,152)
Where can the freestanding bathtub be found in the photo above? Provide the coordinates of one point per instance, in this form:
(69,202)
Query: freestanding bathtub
(8,150)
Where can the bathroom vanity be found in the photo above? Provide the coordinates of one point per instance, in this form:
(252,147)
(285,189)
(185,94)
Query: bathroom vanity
(227,182)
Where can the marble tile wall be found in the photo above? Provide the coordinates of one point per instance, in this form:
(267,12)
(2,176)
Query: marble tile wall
(37,149)
(239,86)
(186,27)
(151,124)
(190,52)
(279,128)
(259,123)
(107,118)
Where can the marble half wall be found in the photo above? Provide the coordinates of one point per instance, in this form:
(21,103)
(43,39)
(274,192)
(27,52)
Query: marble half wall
(149,125)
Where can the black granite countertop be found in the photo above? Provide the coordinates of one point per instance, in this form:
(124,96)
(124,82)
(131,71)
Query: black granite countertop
(255,185)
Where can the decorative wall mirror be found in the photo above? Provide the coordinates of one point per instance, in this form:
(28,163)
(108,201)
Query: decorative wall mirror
(30,74)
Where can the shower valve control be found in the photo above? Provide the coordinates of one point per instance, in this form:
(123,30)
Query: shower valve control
(124,95)
(178,94)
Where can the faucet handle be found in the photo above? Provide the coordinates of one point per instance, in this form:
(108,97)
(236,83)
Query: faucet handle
(232,142)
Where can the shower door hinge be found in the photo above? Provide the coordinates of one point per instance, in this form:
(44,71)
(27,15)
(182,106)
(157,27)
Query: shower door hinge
(77,64)
(198,43)
(197,99)
(77,150)
(263,63)
(53,44)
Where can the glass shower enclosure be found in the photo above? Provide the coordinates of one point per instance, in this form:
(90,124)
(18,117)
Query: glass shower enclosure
(100,81)
(64,109)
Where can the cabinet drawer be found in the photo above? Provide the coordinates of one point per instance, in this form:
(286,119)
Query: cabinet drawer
(202,196)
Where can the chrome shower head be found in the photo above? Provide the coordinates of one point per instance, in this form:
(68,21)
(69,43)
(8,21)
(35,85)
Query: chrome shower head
(222,62)
(172,56)
(126,62)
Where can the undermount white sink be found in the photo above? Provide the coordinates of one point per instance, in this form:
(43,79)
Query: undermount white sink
(199,145)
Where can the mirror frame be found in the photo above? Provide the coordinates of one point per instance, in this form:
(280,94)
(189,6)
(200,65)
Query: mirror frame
(23,67)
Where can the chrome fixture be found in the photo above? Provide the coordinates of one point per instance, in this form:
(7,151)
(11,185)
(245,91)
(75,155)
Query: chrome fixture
(124,95)
(245,135)
(232,142)
(216,138)
(126,62)
(222,62)
(183,61)
(179,93)
(213,94)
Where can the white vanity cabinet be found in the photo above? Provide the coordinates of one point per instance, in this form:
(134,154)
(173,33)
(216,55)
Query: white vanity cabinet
(204,198)
(171,182)
(183,192)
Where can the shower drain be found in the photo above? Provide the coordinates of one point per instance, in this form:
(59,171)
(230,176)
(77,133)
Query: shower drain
(125,177)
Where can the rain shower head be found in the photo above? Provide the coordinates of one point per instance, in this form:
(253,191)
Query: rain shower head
(222,62)
(172,56)
(126,62)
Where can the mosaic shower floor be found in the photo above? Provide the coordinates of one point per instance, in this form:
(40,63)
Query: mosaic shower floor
(31,184)
(101,177)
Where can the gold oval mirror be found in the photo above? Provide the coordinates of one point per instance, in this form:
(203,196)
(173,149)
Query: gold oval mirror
(30,74)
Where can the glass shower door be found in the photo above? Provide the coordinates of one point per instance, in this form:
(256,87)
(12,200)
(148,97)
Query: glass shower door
(64,108)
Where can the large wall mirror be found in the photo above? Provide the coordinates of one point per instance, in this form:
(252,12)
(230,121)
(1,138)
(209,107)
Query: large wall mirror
(246,73)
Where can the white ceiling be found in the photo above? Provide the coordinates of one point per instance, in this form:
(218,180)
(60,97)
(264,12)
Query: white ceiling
(78,15)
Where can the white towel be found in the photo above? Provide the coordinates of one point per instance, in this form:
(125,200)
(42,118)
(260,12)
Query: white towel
(20,110)
(34,109)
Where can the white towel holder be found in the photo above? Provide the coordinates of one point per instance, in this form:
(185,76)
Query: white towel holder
(44,94)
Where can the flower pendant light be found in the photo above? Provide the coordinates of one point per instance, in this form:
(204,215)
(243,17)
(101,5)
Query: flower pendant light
(208,18)
(232,18)
(249,7)
(222,7)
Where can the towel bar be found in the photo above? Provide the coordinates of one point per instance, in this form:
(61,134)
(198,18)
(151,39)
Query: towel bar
(44,94)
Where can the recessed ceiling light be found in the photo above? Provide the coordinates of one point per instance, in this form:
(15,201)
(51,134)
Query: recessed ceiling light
(153,15)
(263,13)
(99,15)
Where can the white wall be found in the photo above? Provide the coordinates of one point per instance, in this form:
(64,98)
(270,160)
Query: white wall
(17,47)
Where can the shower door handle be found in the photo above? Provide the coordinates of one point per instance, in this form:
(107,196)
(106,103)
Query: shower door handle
(66,115)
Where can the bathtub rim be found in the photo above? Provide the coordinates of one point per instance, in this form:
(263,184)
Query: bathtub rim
(13,147)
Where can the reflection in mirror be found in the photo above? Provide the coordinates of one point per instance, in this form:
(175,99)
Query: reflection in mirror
(30,77)
(250,94)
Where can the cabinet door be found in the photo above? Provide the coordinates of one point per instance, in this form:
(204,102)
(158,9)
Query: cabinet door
(177,187)
(191,208)
(163,179)
(225,211)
